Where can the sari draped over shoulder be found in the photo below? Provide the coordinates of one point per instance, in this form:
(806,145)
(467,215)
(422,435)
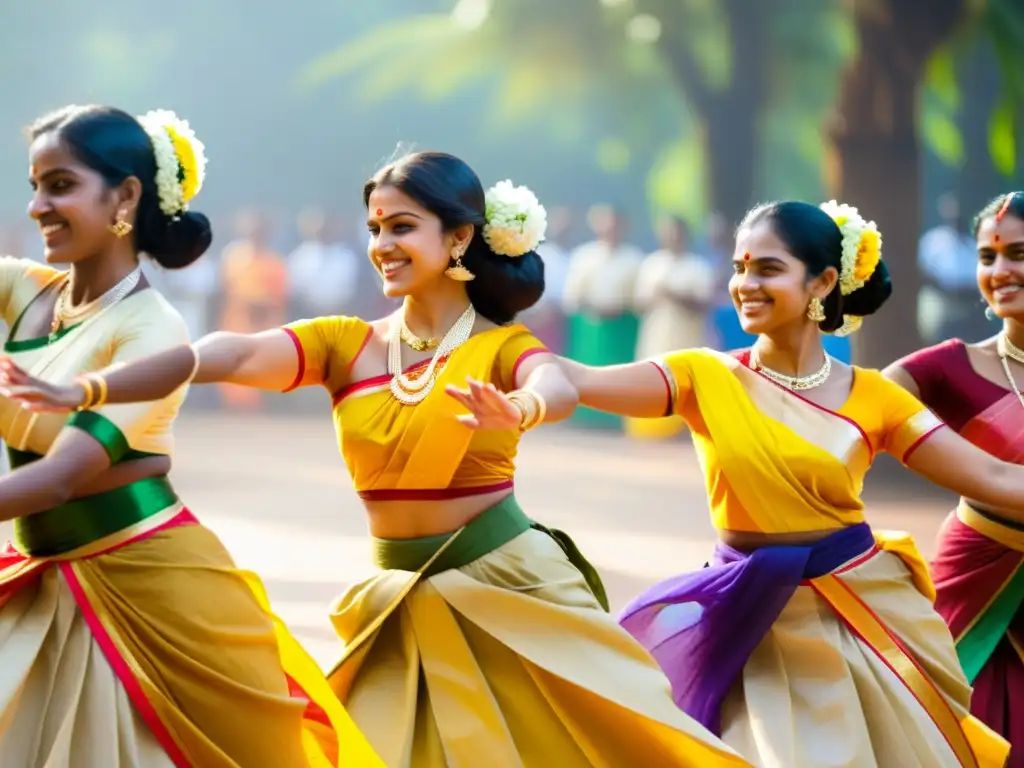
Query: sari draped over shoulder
(489,645)
(827,654)
(979,575)
(128,635)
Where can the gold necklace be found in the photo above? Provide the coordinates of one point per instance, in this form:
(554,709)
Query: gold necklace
(1007,349)
(810,381)
(413,341)
(410,391)
(65,315)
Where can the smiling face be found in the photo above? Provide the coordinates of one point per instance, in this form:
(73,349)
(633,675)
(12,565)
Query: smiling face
(1001,265)
(770,287)
(71,203)
(408,245)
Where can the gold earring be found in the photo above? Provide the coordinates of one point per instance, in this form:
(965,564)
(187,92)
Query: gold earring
(457,271)
(815,310)
(120,227)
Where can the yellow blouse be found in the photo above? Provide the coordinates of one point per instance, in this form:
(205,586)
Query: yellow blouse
(139,325)
(396,451)
(773,461)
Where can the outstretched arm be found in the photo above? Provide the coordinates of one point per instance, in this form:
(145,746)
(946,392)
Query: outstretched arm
(951,462)
(267,360)
(644,390)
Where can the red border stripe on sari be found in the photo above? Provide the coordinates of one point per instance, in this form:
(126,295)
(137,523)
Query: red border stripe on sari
(123,670)
(302,359)
(874,633)
(919,442)
(432,494)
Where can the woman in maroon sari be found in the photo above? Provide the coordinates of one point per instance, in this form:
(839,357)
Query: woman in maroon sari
(976,390)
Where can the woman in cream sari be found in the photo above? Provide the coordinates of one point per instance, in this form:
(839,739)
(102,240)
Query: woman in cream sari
(128,638)
(484,639)
(979,568)
(809,640)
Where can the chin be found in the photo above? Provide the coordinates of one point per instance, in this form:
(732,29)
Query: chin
(395,290)
(57,256)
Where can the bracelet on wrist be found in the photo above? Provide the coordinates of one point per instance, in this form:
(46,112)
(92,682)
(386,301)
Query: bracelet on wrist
(532,407)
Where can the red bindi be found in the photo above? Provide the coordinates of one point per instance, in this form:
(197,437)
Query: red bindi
(746,257)
(996,238)
(380,211)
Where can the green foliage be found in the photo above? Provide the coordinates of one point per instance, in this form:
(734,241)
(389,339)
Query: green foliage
(999,24)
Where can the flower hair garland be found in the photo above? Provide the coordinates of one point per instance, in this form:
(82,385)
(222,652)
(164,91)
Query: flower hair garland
(180,160)
(515,221)
(862,253)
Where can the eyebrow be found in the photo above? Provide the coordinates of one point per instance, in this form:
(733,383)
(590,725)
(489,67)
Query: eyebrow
(1000,245)
(395,215)
(758,260)
(51,172)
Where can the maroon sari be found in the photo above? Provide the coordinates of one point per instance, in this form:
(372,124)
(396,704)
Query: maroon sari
(979,568)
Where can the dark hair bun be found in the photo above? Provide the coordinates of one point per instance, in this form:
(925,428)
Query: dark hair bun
(175,243)
(865,301)
(504,286)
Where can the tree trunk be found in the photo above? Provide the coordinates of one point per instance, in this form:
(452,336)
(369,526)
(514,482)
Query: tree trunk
(880,155)
(730,116)
(979,180)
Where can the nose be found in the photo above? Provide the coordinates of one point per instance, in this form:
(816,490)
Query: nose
(747,283)
(38,206)
(1002,267)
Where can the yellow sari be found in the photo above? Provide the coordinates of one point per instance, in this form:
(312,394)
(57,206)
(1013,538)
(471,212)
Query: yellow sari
(128,636)
(487,646)
(831,654)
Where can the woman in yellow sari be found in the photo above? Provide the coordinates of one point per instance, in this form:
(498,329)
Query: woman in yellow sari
(808,640)
(484,639)
(128,638)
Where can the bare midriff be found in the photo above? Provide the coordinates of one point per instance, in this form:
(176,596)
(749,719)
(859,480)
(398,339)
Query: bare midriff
(414,519)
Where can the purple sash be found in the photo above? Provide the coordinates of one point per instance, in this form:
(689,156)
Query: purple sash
(701,627)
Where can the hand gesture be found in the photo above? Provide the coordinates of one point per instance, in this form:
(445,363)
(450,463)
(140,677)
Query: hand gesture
(488,407)
(35,394)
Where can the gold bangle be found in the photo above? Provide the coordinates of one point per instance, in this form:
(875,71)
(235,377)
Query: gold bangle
(532,406)
(86,385)
(101,389)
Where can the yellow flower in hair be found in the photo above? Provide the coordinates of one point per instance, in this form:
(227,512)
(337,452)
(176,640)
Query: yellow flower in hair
(188,166)
(869,254)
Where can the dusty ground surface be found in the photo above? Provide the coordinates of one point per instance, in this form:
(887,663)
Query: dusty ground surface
(276,490)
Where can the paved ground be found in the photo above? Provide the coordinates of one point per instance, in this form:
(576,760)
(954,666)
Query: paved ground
(277,492)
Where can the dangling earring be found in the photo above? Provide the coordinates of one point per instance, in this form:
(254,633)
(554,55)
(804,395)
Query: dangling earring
(120,227)
(990,314)
(815,310)
(456,271)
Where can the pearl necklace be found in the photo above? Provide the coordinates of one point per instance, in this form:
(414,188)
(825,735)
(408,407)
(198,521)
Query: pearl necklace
(64,315)
(412,391)
(810,381)
(1007,349)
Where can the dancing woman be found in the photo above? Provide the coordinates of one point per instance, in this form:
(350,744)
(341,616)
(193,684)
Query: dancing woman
(979,568)
(483,639)
(808,641)
(128,637)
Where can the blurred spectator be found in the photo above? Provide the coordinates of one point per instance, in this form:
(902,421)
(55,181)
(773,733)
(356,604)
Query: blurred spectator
(674,292)
(255,291)
(547,317)
(948,304)
(598,298)
(323,271)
